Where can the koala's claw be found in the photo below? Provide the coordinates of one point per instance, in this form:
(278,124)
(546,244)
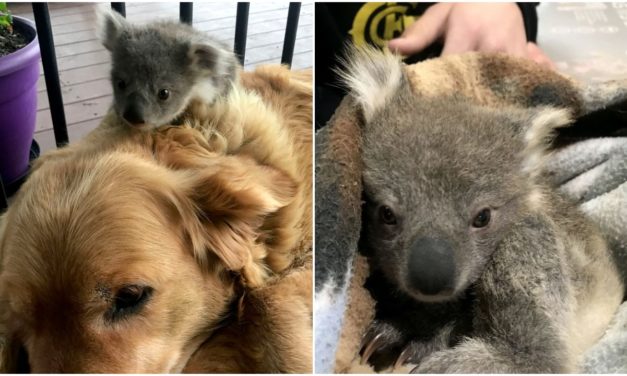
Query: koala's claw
(372,341)
(404,356)
(381,345)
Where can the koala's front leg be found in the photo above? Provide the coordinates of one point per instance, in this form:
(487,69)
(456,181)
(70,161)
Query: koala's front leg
(524,306)
(387,346)
(470,356)
(406,330)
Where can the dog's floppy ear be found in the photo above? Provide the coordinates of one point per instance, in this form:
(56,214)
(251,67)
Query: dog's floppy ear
(110,25)
(372,77)
(229,199)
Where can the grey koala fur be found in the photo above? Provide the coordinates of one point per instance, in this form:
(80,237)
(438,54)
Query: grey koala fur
(163,55)
(541,279)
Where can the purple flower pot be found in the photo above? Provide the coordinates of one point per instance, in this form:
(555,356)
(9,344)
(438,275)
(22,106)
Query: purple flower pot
(19,73)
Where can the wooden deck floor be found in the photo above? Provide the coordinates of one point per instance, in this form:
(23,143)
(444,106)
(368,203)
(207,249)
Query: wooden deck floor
(84,64)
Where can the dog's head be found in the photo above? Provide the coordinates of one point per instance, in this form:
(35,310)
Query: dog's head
(113,263)
(444,178)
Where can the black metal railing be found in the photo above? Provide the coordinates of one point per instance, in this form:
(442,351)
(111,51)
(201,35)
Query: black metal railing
(290,33)
(51,72)
(241,30)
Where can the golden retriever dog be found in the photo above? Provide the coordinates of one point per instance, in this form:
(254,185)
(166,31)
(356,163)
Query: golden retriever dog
(183,249)
(273,334)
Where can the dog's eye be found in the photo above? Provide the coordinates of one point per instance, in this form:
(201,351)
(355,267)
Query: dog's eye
(121,84)
(128,300)
(386,215)
(164,94)
(482,218)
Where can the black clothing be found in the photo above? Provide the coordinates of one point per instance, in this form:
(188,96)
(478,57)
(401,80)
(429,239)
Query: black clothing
(371,23)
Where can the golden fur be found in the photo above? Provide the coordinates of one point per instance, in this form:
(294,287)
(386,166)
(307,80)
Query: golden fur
(219,230)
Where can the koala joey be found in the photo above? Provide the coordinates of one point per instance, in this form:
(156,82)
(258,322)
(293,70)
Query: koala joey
(159,68)
(478,265)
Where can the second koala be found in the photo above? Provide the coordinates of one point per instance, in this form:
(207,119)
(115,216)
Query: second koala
(478,265)
(158,69)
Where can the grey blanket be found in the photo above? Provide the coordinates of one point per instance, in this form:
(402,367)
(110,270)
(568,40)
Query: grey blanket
(594,173)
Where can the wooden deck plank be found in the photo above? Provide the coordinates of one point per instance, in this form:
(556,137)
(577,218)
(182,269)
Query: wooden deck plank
(91,72)
(82,89)
(78,92)
(147,12)
(221,26)
(225,34)
(46,140)
(261,33)
(76,112)
(76,76)
(95,65)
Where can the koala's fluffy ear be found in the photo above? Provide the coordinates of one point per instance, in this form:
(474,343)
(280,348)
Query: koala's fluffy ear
(539,131)
(599,112)
(110,26)
(227,201)
(219,61)
(372,77)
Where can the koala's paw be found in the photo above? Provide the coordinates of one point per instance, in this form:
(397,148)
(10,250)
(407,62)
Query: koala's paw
(440,363)
(385,346)
(471,356)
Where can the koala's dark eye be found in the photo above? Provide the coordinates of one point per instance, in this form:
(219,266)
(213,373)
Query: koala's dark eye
(121,84)
(164,94)
(129,300)
(482,218)
(386,215)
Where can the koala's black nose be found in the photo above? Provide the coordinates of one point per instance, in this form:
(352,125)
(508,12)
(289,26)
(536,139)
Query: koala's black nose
(431,268)
(133,115)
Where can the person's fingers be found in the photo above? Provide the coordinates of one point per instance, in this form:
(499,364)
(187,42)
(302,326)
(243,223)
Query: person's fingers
(536,54)
(423,32)
(514,48)
(485,28)
(456,41)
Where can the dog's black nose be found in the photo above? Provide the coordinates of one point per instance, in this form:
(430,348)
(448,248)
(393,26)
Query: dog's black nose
(133,115)
(431,267)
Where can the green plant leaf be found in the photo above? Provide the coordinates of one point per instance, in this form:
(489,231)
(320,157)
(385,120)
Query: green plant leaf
(6,20)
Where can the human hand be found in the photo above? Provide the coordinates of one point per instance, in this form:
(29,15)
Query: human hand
(493,27)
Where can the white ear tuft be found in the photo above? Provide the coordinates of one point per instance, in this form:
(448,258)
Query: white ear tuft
(539,135)
(110,25)
(372,76)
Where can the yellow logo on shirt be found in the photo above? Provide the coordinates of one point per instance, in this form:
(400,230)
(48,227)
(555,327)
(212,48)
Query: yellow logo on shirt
(376,23)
